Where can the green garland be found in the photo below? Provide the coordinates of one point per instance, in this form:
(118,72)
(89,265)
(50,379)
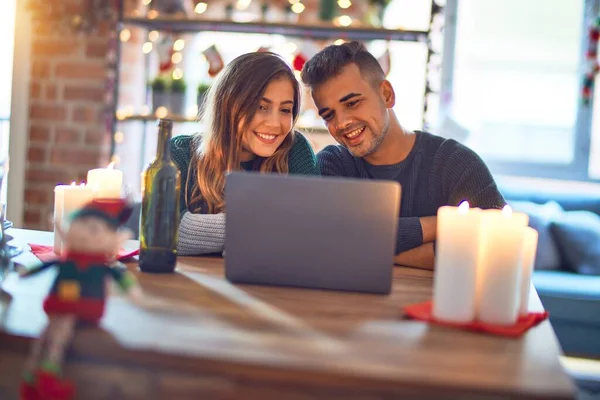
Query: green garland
(591,59)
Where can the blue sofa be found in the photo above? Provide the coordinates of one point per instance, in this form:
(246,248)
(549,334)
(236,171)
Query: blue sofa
(569,292)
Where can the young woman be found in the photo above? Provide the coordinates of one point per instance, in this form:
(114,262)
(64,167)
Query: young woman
(250,112)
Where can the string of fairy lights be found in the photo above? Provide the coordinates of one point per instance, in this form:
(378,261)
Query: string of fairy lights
(155,39)
(152,41)
(295,6)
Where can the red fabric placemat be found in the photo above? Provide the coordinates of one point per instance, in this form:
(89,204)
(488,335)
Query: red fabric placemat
(46,253)
(424,312)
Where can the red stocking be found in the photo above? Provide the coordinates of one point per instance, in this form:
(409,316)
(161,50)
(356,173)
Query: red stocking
(215,61)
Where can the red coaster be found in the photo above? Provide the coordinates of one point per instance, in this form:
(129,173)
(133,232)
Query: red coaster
(46,253)
(424,312)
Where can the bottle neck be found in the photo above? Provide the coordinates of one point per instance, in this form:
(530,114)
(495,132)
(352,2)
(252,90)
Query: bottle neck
(163,148)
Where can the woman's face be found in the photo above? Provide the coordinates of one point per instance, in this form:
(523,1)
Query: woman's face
(272,121)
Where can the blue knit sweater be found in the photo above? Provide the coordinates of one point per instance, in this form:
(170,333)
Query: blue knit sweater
(436,172)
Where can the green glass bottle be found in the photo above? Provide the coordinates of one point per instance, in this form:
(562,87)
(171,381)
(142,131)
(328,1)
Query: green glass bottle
(159,222)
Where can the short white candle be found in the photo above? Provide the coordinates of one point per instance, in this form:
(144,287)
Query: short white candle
(456,260)
(67,199)
(530,241)
(499,279)
(105,182)
(58,215)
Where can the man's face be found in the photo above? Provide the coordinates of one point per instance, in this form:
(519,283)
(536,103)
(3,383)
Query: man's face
(354,111)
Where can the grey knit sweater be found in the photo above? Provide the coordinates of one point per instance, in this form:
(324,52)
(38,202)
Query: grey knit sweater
(436,172)
(202,233)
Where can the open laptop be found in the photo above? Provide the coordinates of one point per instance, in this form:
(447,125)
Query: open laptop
(311,232)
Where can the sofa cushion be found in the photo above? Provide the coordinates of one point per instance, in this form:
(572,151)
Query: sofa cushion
(578,236)
(569,297)
(541,217)
(569,199)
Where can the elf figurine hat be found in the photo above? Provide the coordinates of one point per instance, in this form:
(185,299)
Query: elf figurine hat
(114,211)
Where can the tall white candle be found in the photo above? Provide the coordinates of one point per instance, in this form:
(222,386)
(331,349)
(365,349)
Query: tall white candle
(499,280)
(105,182)
(67,199)
(530,241)
(456,259)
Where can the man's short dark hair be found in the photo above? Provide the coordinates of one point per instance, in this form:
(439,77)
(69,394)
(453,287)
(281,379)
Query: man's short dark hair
(329,62)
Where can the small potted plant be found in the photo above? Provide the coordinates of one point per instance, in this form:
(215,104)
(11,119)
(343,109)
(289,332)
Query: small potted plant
(177,98)
(375,12)
(160,95)
(202,91)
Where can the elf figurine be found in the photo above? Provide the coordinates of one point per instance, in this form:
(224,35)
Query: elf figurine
(78,294)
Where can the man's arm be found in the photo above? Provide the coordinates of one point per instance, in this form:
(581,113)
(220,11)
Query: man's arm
(329,162)
(201,234)
(414,231)
(429,227)
(467,177)
(418,257)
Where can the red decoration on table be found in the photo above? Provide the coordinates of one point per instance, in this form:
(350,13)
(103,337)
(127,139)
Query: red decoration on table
(424,312)
(46,253)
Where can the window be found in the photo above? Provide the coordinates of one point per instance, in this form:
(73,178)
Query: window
(7,26)
(515,86)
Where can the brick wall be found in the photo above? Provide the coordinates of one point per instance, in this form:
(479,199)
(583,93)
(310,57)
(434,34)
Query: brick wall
(68,134)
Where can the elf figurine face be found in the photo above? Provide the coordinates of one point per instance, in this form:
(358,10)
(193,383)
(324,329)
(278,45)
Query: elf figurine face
(93,235)
(94,228)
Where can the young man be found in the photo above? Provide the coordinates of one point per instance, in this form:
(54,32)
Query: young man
(352,95)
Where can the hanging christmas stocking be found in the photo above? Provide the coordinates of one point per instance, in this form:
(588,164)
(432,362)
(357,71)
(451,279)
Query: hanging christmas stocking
(165,51)
(215,61)
(305,52)
(385,61)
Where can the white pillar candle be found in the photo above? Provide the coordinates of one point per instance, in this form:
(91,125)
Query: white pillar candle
(456,260)
(499,280)
(67,199)
(105,182)
(58,215)
(530,241)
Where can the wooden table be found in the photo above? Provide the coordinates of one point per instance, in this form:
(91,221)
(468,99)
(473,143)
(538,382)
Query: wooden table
(212,339)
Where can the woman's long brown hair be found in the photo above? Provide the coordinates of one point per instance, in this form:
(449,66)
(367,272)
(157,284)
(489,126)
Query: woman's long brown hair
(232,99)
